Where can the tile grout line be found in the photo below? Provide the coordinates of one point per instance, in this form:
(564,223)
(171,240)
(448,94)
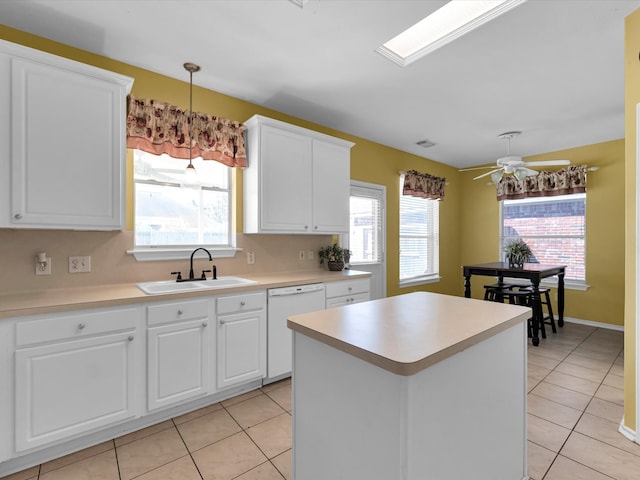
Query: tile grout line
(573,429)
(187,447)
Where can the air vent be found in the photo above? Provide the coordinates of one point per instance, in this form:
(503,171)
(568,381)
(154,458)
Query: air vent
(425,143)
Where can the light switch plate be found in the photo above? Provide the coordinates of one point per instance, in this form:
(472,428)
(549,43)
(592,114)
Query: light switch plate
(80,264)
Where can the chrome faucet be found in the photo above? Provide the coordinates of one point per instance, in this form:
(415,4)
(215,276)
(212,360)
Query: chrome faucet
(191,275)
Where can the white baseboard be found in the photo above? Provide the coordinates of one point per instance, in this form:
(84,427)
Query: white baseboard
(627,432)
(608,326)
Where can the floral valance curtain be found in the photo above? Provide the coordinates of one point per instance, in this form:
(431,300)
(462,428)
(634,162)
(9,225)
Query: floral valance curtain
(423,185)
(569,180)
(156,127)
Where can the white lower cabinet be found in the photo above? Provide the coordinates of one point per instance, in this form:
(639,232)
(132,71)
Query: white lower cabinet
(178,352)
(347,292)
(241,338)
(74,374)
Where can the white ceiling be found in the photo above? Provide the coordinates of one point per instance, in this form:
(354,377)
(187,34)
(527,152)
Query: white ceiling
(551,68)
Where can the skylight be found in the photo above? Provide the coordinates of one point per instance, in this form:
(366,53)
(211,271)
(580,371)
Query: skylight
(449,22)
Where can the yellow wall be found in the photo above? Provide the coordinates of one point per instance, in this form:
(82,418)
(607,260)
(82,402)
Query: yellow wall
(370,162)
(632,98)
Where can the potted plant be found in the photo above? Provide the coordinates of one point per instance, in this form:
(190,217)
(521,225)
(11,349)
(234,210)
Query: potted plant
(518,253)
(335,255)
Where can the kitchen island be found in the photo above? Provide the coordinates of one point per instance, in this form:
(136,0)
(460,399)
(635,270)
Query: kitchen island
(414,387)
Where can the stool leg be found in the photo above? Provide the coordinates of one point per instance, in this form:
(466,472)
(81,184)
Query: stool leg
(551,319)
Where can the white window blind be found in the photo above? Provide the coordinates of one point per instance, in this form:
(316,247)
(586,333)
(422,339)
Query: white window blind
(419,239)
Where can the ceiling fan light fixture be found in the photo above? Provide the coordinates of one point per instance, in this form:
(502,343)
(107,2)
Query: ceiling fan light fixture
(496,176)
(190,176)
(451,21)
(520,174)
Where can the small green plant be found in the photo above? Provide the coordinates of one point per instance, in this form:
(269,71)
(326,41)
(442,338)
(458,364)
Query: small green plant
(518,253)
(335,256)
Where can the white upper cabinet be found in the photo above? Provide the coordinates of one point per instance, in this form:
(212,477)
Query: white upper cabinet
(62,154)
(297,180)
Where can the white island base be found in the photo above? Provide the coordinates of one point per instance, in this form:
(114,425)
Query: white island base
(460,417)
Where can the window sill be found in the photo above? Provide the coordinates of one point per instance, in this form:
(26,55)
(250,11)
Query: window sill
(552,283)
(568,284)
(178,253)
(412,282)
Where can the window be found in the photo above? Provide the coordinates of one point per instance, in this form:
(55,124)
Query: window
(170,215)
(419,239)
(365,229)
(553,227)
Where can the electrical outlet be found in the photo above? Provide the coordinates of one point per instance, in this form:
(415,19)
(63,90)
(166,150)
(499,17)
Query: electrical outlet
(301,255)
(310,255)
(43,268)
(251,258)
(80,264)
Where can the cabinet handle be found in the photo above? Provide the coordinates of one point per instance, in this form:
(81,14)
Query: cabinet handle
(242,304)
(204,324)
(180,312)
(17,216)
(81,326)
(130,338)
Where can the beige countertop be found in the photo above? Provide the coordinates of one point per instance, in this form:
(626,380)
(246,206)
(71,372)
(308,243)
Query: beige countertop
(65,299)
(408,333)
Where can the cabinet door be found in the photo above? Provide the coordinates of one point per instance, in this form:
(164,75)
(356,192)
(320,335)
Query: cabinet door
(285,193)
(67,148)
(69,388)
(178,362)
(331,170)
(241,347)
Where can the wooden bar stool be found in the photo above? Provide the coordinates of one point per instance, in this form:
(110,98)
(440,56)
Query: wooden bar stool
(517,296)
(545,299)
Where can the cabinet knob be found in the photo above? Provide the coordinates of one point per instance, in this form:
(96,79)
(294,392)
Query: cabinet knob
(242,304)
(130,338)
(81,326)
(350,288)
(222,322)
(17,216)
(306,227)
(204,324)
(315,227)
(180,312)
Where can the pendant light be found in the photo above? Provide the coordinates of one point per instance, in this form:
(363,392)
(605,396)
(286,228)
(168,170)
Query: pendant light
(190,173)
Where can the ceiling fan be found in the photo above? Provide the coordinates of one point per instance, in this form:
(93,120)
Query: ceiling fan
(513,164)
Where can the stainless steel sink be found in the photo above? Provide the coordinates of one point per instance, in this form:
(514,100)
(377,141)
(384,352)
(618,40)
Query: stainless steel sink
(171,286)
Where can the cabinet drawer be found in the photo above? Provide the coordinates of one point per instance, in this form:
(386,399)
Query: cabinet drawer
(347,300)
(347,287)
(241,302)
(177,311)
(75,326)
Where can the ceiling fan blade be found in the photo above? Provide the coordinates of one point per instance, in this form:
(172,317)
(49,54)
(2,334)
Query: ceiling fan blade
(475,168)
(547,163)
(487,174)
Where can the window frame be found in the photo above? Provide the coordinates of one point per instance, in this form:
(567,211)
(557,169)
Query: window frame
(179,252)
(551,282)
(435,235)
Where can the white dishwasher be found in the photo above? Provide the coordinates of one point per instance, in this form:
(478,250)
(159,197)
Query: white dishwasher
(281,304)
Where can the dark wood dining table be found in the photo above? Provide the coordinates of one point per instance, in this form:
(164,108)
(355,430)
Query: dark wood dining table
(534,272)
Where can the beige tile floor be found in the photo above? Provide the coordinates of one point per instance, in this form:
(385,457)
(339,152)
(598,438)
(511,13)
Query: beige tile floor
(574,409)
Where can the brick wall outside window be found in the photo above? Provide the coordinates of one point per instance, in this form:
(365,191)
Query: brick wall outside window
(553,229)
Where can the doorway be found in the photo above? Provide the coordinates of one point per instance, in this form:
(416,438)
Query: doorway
(366,238)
